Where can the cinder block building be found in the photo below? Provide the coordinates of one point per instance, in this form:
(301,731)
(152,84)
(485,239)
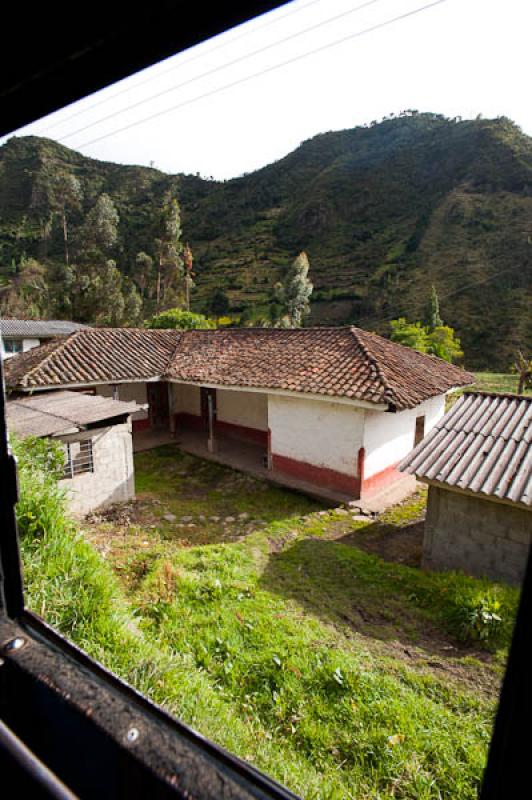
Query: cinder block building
(95,433)
(477,462)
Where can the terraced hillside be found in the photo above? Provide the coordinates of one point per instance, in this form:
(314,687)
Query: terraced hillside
(384,212)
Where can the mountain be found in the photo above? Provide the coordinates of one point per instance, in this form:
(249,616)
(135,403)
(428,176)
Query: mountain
(383,211)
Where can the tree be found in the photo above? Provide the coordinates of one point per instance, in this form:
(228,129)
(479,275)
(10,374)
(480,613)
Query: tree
(68,195)
(219,304)
(56,193)
(293,294)
(523,367)
(433,312)
(444,344)
(188,275)
(98,291)
(132,303)
(440,342)
(28,294)
(142,271)
(410,334)
(99,233)
(168,248)
(177,318)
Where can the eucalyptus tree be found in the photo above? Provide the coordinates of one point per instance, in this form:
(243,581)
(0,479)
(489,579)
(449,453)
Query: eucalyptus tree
(168,248)
(292,296)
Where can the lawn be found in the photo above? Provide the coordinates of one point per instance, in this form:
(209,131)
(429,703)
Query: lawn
(304,638)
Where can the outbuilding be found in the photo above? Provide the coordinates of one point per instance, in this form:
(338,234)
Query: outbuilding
(96,435)
(477,462)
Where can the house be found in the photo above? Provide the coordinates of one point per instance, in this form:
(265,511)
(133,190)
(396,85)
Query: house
(331,408)
(96,435)
(19,335)
(477,462)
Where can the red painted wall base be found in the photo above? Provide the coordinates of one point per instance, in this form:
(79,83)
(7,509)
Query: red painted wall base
(321,477)
(381,480)
(185,421)
(140,425)
(242,433)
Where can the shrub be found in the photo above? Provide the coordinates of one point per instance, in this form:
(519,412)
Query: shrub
(177,318)
(481,617)
(41,507)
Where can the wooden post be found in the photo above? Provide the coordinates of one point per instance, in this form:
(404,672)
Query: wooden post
(171,409)
(211,443)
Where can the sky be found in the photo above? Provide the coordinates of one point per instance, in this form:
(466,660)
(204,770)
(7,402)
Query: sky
(248,97)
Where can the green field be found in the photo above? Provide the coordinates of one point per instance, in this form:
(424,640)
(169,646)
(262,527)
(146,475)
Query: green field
(302,638)
(498,382)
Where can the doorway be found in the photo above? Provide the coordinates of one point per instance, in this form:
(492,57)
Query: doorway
(159,411)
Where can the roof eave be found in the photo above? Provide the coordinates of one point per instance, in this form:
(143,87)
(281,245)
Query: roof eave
(470,493)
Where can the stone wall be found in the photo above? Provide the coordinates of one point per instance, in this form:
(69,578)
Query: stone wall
(112,480)
(476,535)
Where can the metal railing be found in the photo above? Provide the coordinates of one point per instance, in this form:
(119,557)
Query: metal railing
(79,458)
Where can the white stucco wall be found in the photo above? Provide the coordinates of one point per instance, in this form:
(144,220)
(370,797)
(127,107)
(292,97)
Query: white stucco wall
(389,437)
(318,432)
(29,344)
(113,478)
(128,392)
(186,399)
(243,408)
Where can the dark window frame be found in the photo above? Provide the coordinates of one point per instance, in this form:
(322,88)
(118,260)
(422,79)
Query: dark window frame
(13,346)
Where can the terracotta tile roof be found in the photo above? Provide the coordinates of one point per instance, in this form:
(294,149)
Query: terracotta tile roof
(93,355)
(334,362)
(482,445)
(337,362)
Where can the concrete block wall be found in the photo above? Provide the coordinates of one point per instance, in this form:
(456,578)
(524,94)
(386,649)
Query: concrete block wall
(477,535)
(113,478)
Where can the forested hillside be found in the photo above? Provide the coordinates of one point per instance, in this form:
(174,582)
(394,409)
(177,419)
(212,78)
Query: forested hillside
(384,212)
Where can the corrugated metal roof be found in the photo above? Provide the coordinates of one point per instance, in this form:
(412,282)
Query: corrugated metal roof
(38,328)
(59,412)
(483,445)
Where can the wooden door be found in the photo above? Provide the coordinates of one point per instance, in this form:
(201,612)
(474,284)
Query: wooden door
(159,412)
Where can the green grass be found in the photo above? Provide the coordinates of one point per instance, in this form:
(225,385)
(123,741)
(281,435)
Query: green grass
(338,673)
(497,382)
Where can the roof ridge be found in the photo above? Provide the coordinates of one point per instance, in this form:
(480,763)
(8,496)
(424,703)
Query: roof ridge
(60,345)
(388,391)
(165,372)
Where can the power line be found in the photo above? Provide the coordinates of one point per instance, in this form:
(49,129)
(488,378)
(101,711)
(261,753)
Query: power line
(293,60)
(218,69)
(202,54)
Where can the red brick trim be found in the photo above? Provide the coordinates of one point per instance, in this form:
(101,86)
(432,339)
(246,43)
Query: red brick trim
(140,425)
(241,432)
(320,476)
(191,422)
(381,480)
